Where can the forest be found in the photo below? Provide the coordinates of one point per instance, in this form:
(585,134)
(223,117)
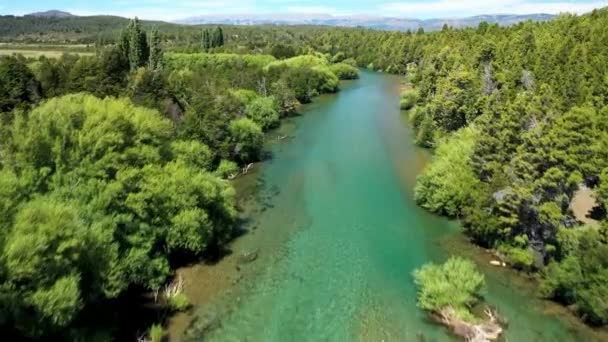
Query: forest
(114,168)
(98,150)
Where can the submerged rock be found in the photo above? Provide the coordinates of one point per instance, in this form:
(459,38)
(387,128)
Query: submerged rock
(247,257)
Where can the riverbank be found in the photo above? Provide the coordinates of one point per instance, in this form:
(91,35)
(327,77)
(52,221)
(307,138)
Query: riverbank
(338,235)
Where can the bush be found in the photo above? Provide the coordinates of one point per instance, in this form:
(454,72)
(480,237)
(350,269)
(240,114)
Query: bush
(455,284)
(344,71)
(416,115)
(408,99)
(179,302)
(226,168)
(263,112)
(350,61)
(307,75)
(518,257)
(247,139)
(245,96)
(157,333)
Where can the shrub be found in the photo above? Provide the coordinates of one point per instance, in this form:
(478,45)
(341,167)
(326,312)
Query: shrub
(179,302)
(263,111)
(345,71)
(408,99)
(226,169)
(518,257)
(455,284)
(157,333)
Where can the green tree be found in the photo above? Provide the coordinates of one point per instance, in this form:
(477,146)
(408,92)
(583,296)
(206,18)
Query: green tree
(247,140)
(17,83)
(441,190)
(156,52)
(217,37)
(139,50)
(263,112)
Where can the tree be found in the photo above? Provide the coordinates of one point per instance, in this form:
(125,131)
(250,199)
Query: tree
(51,236)
(441,190)
(133,45)
(156,53)
(206,40)
(102,199)
(247,140)
(17,83)
(218,37)
(263,112)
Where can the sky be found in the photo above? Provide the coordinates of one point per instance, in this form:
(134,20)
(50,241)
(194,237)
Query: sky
(423,9)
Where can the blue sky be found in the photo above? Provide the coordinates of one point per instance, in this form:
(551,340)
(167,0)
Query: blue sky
(176,9)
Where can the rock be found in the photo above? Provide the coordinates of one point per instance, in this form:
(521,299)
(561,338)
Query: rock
(248,257)
(496,263)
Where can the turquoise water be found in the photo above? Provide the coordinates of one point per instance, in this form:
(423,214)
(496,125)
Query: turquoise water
(339,235)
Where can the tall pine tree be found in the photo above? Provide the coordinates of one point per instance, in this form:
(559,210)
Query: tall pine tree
(156,53)
(206,43)
(138,45)
(218,37)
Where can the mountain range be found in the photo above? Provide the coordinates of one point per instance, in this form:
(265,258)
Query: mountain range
(375,22)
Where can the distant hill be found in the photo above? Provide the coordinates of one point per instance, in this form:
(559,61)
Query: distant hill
(381,23)
(62,27)
(52,14)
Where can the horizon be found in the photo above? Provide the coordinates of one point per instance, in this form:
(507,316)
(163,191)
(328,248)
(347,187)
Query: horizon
(167,10)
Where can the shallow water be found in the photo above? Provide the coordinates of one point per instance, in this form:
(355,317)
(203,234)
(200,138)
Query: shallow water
(339,235)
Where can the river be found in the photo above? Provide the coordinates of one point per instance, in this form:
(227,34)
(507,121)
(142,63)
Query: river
(338,233)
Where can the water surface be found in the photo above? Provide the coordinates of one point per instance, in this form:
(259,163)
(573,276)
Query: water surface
(339,235)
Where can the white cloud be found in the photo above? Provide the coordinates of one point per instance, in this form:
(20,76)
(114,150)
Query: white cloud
(455,8)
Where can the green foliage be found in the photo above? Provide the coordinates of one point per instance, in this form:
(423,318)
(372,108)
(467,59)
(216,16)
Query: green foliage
(223,61)
(579,277)
(133,45)
(101,198)
(17,83)
(344,71)
(441,190)
(455,284)
(156,53)
(247,139)
(263,112)
(157,333)
(307,75)
(283,51)
(193,153)
(518,257)
(226,169)
(179,302)
(212,38)
(245,96)
(408,99)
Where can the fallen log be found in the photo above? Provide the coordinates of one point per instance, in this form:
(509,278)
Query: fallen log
(488,330)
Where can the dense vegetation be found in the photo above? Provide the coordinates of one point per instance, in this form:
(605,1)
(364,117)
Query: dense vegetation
(520,112)
(113,170)
(516,116)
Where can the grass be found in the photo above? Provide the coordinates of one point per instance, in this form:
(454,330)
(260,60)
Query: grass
(50,51)
(38,53)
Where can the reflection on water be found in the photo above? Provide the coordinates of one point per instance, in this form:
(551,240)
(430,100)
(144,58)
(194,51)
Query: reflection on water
(339,234)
